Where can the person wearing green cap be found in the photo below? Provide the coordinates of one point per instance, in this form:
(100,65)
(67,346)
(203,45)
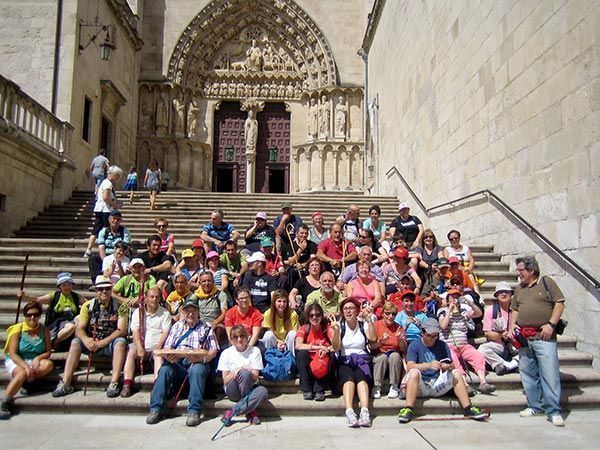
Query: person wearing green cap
(282,223)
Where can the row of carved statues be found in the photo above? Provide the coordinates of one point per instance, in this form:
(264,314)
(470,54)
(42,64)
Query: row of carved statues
(281,90)
(319,119)
(170,115)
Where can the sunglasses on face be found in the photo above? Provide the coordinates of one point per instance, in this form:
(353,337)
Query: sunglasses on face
(32,315)
(388,313)
(432,336)
(103,289)
(238,336)
(315,315)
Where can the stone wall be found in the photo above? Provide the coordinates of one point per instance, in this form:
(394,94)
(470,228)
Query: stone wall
(27,30)
(502,96)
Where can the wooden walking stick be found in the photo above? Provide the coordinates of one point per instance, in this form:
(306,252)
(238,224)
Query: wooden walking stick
(22,286)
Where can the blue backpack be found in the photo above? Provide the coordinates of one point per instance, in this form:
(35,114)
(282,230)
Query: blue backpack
(279,365)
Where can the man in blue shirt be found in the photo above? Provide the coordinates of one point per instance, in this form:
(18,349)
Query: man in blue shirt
(431,373)
(218,232)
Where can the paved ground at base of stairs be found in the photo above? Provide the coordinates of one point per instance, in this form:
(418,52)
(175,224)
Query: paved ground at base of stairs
(54,431)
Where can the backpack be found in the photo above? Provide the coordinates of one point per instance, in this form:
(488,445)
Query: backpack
(279,365)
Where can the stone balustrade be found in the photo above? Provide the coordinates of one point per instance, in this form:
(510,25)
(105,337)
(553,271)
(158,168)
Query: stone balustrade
(19,111)
(331,166)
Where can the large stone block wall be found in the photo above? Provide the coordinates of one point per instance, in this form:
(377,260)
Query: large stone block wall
(341,21)
(27,36)
(502,96)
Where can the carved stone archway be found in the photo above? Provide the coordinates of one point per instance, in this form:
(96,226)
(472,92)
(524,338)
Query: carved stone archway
(252,48)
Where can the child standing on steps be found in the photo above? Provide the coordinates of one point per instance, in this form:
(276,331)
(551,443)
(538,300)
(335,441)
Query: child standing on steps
(132,183)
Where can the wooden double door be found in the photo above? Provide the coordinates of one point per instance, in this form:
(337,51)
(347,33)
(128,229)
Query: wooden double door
(272,164)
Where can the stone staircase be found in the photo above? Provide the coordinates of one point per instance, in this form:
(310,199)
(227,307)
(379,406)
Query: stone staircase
(69,224)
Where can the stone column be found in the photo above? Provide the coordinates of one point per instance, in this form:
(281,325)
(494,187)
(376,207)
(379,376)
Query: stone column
(295,170)
(336,169)
(322,168)
(250,167)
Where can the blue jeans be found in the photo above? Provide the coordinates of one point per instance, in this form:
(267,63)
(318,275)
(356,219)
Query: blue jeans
(540,375)
(170,377)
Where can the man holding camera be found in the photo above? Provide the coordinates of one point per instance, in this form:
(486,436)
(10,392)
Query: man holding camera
(536,308)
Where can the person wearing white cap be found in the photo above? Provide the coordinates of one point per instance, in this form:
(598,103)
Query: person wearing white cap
(62,310)
(409,226)
(260,283)
(101,329)
(498,351)
(258,230)
(127,289)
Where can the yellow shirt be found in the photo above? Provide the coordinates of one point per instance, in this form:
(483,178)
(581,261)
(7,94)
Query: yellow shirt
(279,328)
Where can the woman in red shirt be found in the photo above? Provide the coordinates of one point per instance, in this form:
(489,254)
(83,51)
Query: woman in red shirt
(315,344)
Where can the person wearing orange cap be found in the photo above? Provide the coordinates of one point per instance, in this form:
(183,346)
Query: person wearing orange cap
(397,268)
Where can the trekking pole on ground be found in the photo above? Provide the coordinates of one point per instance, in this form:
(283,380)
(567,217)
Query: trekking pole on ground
(89,366)
(235,412)
(22,285)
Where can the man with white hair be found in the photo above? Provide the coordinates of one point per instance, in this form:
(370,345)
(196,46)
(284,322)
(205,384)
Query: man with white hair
(498,351)
(260,283)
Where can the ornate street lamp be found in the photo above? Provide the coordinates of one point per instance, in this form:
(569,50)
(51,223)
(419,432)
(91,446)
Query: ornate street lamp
(105,47)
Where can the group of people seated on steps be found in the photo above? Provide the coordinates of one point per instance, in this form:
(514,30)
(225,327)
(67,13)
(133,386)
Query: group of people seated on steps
(363,308)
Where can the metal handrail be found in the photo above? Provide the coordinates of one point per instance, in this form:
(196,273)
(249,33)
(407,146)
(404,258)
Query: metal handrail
(489,194)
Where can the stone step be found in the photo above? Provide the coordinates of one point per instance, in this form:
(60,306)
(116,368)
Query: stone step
(293,405)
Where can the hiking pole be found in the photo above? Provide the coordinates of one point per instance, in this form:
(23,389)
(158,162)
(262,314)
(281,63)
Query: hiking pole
(235,411)
(142,317)
(22,285)
(89,365)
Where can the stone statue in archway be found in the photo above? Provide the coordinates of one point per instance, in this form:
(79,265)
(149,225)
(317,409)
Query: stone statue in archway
(313,120)
(251,132)
(324,118)
(341,112)
(162,113)
(178,119)
(193,119)
(254,58)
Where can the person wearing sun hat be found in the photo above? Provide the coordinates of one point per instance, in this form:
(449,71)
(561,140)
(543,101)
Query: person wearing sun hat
(499,353)
(63,308)
(409,226)
(101,329)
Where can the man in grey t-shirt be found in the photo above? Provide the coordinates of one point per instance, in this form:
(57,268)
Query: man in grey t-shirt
(98,168)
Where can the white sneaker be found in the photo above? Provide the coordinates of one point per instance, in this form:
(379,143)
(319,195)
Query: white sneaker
(365,418)
(530,412)
(557,420)
(376,392)
(352,419)
(394,392)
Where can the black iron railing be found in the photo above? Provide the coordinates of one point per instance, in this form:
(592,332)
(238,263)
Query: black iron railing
(501,204)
